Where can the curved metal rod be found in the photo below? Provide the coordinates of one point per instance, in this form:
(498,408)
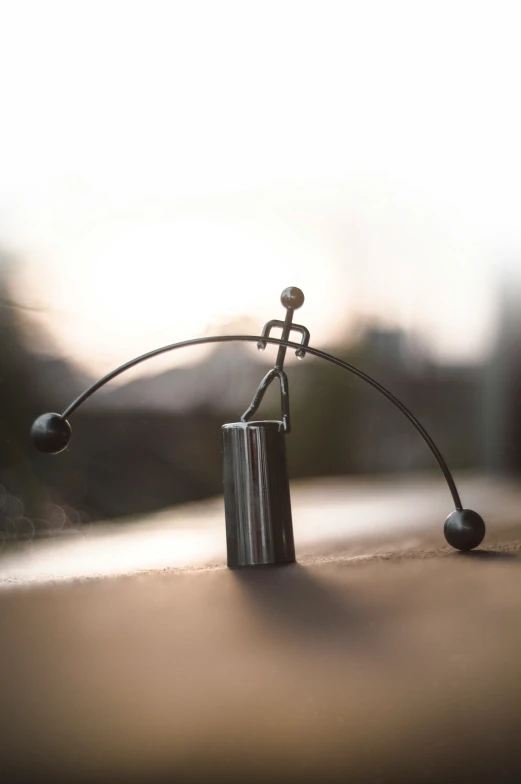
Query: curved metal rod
(288,344)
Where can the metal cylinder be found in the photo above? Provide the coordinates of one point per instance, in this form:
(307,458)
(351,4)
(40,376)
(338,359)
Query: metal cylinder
(257,504)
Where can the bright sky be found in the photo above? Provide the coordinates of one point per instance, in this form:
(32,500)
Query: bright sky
(167,166)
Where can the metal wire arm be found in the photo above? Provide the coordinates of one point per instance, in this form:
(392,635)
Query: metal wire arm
(52,432)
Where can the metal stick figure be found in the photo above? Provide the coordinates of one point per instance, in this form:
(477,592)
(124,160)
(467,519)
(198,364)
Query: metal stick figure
(292,298)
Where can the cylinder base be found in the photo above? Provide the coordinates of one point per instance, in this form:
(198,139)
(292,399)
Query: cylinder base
(259,528)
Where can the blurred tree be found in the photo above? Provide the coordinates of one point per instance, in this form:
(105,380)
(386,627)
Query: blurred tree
(19,402)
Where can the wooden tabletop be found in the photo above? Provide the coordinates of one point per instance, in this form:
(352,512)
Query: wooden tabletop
(382,656)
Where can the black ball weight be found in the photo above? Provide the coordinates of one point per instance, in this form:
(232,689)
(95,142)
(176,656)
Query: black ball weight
(51,433)
(464,529)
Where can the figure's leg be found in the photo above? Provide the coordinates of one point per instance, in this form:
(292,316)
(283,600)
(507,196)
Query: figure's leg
(284,399)
(259,394)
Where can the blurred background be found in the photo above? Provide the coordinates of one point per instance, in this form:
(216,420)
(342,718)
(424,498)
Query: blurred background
(166,169)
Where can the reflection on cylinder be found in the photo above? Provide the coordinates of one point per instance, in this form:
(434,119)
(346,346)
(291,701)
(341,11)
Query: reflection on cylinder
(257,503)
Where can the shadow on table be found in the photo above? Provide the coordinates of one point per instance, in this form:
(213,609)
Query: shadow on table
(299,604)
(480,555)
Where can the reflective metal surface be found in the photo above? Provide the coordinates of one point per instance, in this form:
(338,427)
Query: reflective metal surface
(257,503)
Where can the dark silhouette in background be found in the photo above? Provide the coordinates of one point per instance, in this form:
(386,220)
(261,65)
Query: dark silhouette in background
(160,441)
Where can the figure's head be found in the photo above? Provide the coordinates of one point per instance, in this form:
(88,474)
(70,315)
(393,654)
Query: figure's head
(292,297)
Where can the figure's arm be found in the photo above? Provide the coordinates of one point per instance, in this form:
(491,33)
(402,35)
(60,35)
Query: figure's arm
(266,331)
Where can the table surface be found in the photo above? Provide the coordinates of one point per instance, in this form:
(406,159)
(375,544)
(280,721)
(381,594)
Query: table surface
(131,652)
